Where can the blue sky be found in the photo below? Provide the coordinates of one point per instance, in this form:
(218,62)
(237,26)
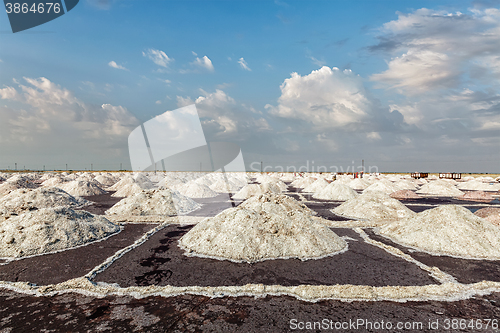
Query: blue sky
(408,85)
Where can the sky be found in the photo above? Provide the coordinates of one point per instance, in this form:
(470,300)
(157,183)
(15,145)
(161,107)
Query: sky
(311,85)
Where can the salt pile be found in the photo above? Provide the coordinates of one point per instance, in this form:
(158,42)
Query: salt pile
(224,186)
(105,180)
(336,191)
(477,196)
(267,201)
(375,206)
(127,180)
(271,232)
(440,188)
(22,200)
(55,181)
(447,230)
(193,189)
(359,184)
(82,188)
(489,213)
(317,186)
(127,190)
(22,181)
(7,187)
(404,195)
(143,181)
(16,182)
(248,191)
(384,186)
(475,185)
(303,182)
(405,185)
(51,229)
(156,204)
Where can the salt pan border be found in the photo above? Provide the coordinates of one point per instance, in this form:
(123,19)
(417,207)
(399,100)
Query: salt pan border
(346,293)
(435,272)
(120,253)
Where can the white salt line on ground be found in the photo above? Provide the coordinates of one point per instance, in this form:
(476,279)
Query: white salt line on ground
(347,293)
(435,272)
(100,268)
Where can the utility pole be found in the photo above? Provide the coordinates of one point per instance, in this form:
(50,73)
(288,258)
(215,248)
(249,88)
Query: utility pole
(66,166)
(16,167)
(91,167)
(44,168)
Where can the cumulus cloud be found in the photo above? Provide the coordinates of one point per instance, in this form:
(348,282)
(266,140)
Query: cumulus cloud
(51,118)
(204,62)
(115,65)
(436,49)
(446,67)
(244,64)
(325,98)
(8,93)
(158,57)
(225,118)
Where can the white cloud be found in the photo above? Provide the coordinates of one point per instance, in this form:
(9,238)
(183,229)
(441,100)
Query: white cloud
(317,62)
(223,117)
(158,57)
(52,119)
(437,50)
(419,71)
(325,98)
(204,62)
(8,93)
(244,64)
(115,65)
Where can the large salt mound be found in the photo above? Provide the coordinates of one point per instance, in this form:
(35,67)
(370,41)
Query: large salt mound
(223,186)
(127,180)
(475,185)
(317,186)
(440,188)
(489,213)
(55,181)
(82,188)
(267,201)
(405,184)
(303,182)
(153,203)
(245,235)
(105,180)
(404,195)
(128,190)
(22,200)
(248,191)
(336,191)
(384,186)
(447,230)
(51,229)
(375,206)
(193,189)
(358,184)
(7,187)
